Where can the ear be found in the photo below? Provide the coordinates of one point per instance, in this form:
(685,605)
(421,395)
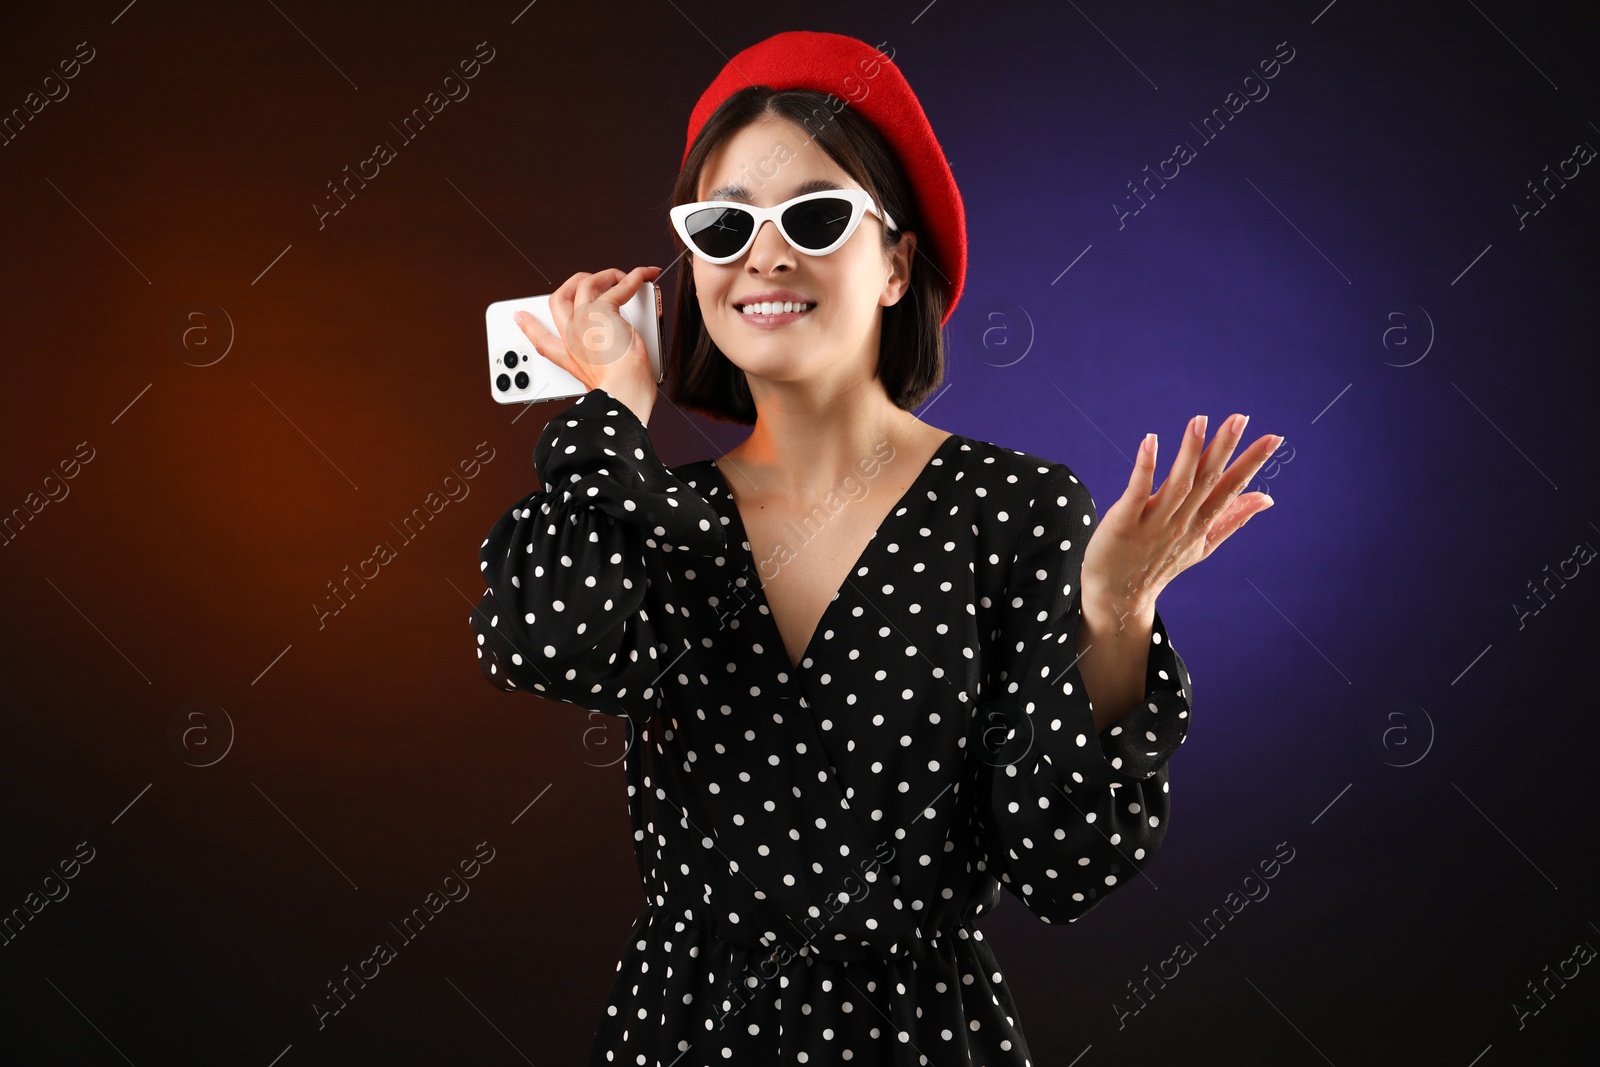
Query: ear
(899,280)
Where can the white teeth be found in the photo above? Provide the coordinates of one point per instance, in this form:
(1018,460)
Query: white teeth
(769,307)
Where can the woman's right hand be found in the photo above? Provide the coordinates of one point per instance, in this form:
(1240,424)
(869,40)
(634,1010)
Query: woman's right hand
(593,342)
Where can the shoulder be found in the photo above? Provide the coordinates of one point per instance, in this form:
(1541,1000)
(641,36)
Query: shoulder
(1019,478)
(696,473)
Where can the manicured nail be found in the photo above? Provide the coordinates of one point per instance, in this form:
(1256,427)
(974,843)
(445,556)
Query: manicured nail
(1239,422)
(1150,443)
(1200,427)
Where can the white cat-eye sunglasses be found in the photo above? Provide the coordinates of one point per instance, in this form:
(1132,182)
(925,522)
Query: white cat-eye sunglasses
(720,231)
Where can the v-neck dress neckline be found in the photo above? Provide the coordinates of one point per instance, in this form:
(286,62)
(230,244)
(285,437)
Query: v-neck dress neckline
(934,466)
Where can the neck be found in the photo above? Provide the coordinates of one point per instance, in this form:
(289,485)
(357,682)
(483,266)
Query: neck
(808,439)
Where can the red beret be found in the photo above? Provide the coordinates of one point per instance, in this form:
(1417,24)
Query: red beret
(866,79)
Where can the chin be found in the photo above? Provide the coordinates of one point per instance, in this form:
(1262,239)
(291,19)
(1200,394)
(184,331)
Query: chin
(774,366)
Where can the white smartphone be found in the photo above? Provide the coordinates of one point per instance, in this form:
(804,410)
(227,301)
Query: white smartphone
(518,374)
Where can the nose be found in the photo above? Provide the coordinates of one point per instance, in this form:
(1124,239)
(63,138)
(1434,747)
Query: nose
(769,249)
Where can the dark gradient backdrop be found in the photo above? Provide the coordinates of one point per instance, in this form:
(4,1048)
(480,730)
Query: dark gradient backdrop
(1387,255)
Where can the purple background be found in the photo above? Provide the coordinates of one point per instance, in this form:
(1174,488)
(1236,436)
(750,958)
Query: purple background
(1363,688)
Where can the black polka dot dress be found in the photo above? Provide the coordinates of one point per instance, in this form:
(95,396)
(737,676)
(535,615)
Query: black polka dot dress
(816,844)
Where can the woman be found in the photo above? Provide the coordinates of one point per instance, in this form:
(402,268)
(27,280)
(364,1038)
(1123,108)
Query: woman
(874,669)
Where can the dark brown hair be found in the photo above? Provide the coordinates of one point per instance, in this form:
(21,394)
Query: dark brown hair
(911,344)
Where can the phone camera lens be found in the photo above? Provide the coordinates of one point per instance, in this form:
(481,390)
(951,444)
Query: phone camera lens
(510,359)
(522,379)
(502,382)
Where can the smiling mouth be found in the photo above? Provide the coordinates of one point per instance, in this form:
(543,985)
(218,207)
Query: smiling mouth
(774,307)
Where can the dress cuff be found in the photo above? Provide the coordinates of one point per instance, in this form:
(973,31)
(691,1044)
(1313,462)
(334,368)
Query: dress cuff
(598,452)
(1133,748)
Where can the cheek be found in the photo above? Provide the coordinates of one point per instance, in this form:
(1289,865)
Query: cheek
(855,291)
(709,287)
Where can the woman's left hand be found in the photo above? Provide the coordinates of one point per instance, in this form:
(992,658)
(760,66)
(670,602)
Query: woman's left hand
(1142,541)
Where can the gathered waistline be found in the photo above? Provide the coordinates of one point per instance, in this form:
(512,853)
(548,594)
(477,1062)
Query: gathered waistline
(812,939)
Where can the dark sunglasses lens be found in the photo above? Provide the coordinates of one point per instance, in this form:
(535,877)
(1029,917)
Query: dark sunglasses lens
(818,223)
(719,231)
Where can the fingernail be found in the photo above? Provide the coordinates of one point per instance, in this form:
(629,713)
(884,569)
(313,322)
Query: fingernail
(1150,443)
(1239,422)
(1270,502)
(1200,427)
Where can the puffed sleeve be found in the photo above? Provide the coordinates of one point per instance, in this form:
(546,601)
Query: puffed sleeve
(1071,813)
(564,613)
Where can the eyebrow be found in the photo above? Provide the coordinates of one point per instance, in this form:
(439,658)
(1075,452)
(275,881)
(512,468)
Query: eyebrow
(735,191)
